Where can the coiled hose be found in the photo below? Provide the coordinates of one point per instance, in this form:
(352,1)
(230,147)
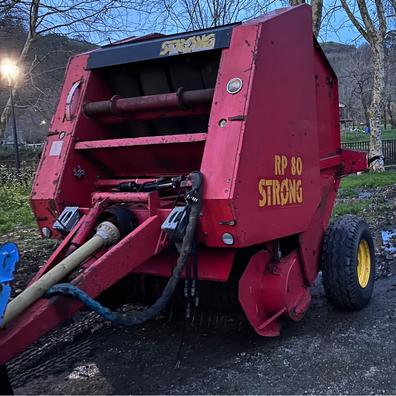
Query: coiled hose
(194,202)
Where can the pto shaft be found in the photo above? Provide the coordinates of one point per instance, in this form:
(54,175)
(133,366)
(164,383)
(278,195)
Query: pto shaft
(106,234)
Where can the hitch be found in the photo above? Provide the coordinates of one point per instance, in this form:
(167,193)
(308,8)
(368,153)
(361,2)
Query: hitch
(106,234)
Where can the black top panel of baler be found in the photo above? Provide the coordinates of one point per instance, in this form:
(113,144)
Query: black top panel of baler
(162,47)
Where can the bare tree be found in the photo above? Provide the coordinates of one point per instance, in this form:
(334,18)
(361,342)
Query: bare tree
(183,15)
(359,76)
(88,19)
(390,79)
(371,23)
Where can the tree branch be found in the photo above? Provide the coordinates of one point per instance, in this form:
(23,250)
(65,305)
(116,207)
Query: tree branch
(353,19)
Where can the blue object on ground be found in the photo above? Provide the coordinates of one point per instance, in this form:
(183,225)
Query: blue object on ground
(9,258)
(389,238)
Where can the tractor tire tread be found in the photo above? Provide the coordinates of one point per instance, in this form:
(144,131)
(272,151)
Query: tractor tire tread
(339,263)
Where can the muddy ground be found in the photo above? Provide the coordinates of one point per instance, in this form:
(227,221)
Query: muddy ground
(327,352)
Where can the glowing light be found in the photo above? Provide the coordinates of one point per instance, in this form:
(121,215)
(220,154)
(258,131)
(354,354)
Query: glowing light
(9,70)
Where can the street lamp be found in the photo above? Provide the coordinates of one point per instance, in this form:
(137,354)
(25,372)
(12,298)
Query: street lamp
(9,70)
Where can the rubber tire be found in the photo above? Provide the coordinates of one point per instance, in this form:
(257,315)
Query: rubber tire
(339,263)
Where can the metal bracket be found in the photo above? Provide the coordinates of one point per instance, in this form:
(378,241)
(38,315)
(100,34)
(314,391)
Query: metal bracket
(176,222)
(67,219)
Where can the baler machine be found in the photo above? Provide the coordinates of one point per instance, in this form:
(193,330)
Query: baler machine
(212,156)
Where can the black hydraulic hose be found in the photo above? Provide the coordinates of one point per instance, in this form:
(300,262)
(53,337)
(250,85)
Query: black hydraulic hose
(194,201)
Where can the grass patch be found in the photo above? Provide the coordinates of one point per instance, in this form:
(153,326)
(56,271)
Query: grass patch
(363,137)
(349,202)
(367,180)
(352,207)
(14,199)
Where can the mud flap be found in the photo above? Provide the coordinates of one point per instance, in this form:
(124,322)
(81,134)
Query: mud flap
(269,289)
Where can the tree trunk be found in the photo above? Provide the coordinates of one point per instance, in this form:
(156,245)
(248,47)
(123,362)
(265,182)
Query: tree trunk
(365,110)
(377,102)
(317,8)
(391,119)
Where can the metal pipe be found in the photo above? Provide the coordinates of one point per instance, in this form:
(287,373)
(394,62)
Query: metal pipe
(106,234)
(121,197)
(14,129)
(119,106)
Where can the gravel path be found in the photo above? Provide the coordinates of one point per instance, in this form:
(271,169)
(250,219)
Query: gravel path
(327,352)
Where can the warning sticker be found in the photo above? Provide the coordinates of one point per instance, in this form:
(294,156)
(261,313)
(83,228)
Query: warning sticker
(56,148)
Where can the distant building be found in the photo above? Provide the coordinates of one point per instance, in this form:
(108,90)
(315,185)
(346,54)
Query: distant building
(344,114)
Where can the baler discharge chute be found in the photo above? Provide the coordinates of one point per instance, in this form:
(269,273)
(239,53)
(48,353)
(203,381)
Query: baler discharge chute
(213,156)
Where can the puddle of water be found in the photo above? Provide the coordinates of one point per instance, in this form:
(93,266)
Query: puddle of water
(389,240)
(364,195)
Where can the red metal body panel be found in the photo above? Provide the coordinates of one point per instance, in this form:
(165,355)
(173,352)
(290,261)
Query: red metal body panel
(279,123)
(269,153)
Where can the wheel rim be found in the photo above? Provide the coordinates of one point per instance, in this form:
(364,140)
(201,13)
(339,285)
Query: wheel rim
(364,263)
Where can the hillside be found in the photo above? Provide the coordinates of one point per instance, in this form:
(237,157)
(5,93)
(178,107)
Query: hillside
(44,70)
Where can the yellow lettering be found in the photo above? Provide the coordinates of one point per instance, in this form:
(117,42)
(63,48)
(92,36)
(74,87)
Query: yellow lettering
(299,166)
(277,161)
(292,191)
(275,192)
(263,198)
(299,191)
(281,191)
(284,164)
(268,184)
(191,44)
(284,192)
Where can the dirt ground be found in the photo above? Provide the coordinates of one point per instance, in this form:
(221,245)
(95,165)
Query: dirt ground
(327,352)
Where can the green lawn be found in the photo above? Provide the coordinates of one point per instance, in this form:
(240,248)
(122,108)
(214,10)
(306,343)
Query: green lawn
(361,136)
(349,202)
(368,180)
(14,199)
(352,207)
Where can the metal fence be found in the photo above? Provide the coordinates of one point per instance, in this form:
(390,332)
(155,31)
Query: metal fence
(388,149)
(10,163)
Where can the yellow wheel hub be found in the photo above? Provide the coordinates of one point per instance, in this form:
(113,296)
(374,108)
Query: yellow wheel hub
(364,263)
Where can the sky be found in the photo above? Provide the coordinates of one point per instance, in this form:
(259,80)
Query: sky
(123,21)
(335,27)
